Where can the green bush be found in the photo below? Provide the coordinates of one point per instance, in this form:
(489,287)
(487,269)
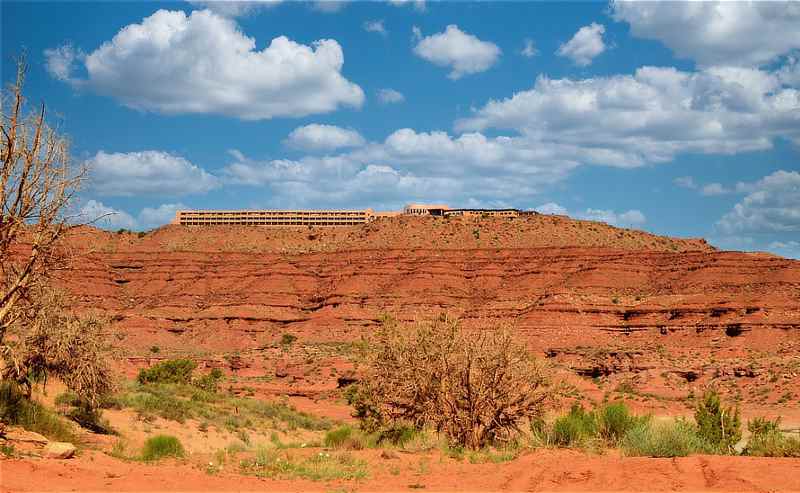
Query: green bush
(575,428)
(614,421)
(345,437)
(169,371)
(768,441)
(337,437)
(718,425)
(161,446)
(663,439)
(17,409)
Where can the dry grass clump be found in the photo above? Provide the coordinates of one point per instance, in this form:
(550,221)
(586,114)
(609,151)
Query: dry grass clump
(323,466)
(677,438)
(477,387)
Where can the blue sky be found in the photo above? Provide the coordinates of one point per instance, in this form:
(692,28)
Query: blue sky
(677,118)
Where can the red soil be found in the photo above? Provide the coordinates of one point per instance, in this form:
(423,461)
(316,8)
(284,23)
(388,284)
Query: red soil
(547,470)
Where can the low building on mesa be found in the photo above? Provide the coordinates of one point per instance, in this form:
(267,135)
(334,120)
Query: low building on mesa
(275,217)
(325,217)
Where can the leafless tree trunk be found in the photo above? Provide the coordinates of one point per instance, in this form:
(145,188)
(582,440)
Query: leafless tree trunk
(37,182)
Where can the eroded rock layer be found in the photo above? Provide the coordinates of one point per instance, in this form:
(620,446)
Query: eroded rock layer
(662,312)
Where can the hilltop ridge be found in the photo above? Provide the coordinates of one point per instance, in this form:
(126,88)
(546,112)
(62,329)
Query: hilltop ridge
(392,233)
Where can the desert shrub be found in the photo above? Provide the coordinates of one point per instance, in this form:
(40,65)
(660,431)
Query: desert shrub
(345,437)
(615,420)
(90,418)
(717,424)
(663,439)
(575,428)
(337,437)
(169,371)
(399,435)
(283,412)
(56,343)
(210,381)
(17,409)
(606,424)
(179,402)
(760,425)
(83,413)
(288,339)
(768,441)
(476,387)
(161,446)
(157,401)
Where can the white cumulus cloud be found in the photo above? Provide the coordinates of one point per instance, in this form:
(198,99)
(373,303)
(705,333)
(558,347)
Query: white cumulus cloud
(685,182)
(202,63)
(630,218)
(419,5)
(235,8)
(463,53)
(652,115)
(713,189)
(585,45)
(410,165)
(551,208)
(375,26)
(60,62)
(390,96)
(147,172)
(748,33)
(330,6)
(771,205)
(102,216)
(529,49)
(153,217)
(317,137)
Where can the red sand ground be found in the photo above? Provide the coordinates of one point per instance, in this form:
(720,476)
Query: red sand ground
(547,470)
(618,313)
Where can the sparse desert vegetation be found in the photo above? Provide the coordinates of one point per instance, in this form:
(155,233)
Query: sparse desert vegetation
(476,387)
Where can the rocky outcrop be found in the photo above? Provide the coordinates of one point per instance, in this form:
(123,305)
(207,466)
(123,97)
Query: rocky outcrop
(234,300)
(628,308)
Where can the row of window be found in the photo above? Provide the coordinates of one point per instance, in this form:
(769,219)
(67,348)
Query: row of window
(272,223)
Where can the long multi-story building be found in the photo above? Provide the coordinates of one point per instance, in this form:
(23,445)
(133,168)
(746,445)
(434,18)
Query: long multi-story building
(324,217)
(275,217)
